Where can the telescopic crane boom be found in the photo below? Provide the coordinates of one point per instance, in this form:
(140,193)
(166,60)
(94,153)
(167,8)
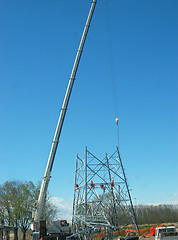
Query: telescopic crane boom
(47,175)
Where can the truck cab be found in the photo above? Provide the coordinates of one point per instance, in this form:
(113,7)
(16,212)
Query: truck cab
(58,227)
(166,233)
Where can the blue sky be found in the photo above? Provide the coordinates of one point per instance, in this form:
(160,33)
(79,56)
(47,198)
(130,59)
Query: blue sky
(134,44)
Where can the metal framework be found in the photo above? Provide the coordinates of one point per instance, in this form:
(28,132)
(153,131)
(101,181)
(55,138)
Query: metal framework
(102,200)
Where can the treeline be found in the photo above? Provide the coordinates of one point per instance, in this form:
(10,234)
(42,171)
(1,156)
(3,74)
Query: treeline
(17,202)
(156,214)
(145,214)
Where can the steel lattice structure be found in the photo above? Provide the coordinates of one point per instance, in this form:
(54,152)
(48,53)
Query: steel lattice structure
(102,198)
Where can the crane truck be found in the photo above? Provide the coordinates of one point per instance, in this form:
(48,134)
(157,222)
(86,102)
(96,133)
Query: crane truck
(39,227)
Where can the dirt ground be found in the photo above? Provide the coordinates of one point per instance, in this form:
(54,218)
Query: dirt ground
(141,237)
(149,225)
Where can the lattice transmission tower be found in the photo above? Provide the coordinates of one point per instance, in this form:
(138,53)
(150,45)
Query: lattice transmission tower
(102,198)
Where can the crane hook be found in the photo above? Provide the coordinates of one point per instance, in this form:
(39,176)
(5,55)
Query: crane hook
(117,121)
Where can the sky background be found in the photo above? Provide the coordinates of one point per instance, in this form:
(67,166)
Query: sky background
(132,44)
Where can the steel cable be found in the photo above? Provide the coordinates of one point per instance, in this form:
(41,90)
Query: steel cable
(112,69)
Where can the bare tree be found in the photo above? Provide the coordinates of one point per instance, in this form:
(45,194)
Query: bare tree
(17,202)
(150,214)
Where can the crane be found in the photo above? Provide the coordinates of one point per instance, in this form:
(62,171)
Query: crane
(45,182)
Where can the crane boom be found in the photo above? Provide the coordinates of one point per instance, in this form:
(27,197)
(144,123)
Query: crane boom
(46,178)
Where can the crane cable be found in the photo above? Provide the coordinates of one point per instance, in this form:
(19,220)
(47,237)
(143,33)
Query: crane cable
(112,69)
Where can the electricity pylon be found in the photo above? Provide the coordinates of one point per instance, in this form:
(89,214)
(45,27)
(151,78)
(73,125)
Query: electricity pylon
(102,198)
